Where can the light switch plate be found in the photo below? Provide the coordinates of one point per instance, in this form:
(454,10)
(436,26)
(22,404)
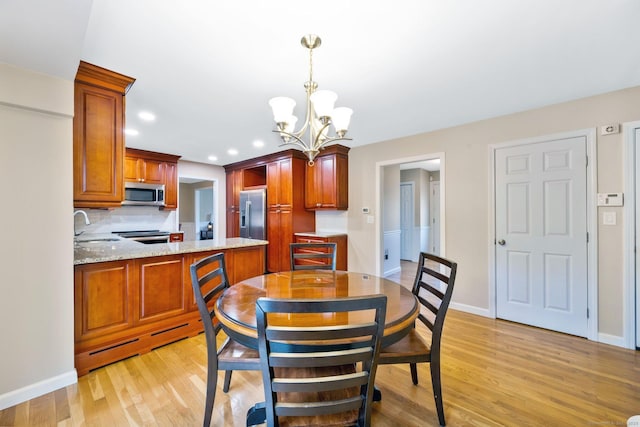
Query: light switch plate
(608,218)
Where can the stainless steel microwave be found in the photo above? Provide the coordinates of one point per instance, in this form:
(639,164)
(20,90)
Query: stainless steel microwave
(142,194)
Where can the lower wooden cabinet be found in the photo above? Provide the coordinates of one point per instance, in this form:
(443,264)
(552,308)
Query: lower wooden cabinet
(176,237)
(339,239)
(130,307)
(161,288)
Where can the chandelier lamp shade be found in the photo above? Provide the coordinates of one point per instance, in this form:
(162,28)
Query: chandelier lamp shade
(321,113)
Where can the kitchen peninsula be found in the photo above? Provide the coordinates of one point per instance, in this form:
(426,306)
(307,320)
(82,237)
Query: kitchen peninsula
(131,298)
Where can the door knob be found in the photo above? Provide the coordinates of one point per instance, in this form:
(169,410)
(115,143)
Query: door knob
(501,242)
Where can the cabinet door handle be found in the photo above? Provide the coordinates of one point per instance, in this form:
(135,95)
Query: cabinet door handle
(318,204)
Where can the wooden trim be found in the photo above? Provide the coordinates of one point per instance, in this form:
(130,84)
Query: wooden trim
(101,77)
(151,155)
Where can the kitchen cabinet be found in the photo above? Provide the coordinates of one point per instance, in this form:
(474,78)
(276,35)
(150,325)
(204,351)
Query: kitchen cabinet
(283,176)
(102,299)
(98,136)
(280,235)
(161,288)
(234,186)
(142,170)
(154,168)
(339,239)
(280,185)
(285,209)
(327,186)
(129,307)
(176,237)
(171,186)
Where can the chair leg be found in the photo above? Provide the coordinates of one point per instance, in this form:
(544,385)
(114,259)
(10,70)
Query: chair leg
(227,381)
(437,389)
(414,373)
(212,383)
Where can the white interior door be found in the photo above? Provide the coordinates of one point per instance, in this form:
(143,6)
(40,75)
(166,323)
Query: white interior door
(434,217)
(407,221)
(541,234)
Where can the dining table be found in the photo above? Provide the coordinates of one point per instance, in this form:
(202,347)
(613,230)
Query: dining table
(235,309)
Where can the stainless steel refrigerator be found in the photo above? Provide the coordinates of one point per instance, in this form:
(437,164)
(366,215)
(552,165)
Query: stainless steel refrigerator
(253,215)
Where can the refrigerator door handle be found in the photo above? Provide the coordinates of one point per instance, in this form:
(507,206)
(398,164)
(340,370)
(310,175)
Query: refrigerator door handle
(247,210)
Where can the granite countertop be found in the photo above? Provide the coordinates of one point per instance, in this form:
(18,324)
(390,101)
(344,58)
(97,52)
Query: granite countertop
(89,249)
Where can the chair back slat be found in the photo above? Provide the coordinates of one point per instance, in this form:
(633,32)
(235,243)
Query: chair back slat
(355,379)
(313,256)
(315,359)
(319,408)
(315,375)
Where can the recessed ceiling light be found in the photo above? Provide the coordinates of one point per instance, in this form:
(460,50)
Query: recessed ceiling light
(258,143)
(146,116)
(232,152)
(212,158)
(131,132)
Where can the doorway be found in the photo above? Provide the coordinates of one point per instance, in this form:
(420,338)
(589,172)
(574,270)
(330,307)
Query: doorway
(543,249)
(196,208)
(394,180)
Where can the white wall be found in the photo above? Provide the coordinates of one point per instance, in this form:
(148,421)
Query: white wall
(36,257)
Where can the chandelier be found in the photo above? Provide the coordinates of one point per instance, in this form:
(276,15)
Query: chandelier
(320,113)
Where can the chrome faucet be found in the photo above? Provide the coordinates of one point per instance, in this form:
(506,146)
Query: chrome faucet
(86,221)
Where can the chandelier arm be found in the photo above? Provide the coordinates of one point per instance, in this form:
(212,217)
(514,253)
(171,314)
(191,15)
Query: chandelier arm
(298,142)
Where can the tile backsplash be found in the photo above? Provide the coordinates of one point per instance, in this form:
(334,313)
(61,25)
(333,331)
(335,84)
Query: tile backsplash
(130,218)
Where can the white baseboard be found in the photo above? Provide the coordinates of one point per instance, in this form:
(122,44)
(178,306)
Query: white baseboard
(612,340)
(393,270)
(37,389)
(603,338)
(484,312)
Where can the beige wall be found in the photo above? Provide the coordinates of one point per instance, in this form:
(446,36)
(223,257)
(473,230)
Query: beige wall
(466,151)
(36,257)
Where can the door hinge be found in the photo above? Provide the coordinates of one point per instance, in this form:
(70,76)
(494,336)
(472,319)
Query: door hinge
(587,313)
(587,165)
(587,237)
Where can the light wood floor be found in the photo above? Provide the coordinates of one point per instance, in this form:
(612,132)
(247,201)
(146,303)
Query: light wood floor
(495,373)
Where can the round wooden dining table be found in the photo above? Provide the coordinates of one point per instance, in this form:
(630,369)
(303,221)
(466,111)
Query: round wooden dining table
(235,309)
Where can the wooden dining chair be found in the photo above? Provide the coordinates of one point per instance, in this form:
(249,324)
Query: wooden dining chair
(313,256)
(311,374)
(433,287)
(209,280)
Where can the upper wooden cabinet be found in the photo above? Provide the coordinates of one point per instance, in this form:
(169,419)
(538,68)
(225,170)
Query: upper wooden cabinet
(154,168)
(98,136)
(280,185)
(142,170)
(171,185)
(327,181)
(234,186)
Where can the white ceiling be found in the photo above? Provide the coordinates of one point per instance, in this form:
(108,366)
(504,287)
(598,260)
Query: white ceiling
(207,68)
